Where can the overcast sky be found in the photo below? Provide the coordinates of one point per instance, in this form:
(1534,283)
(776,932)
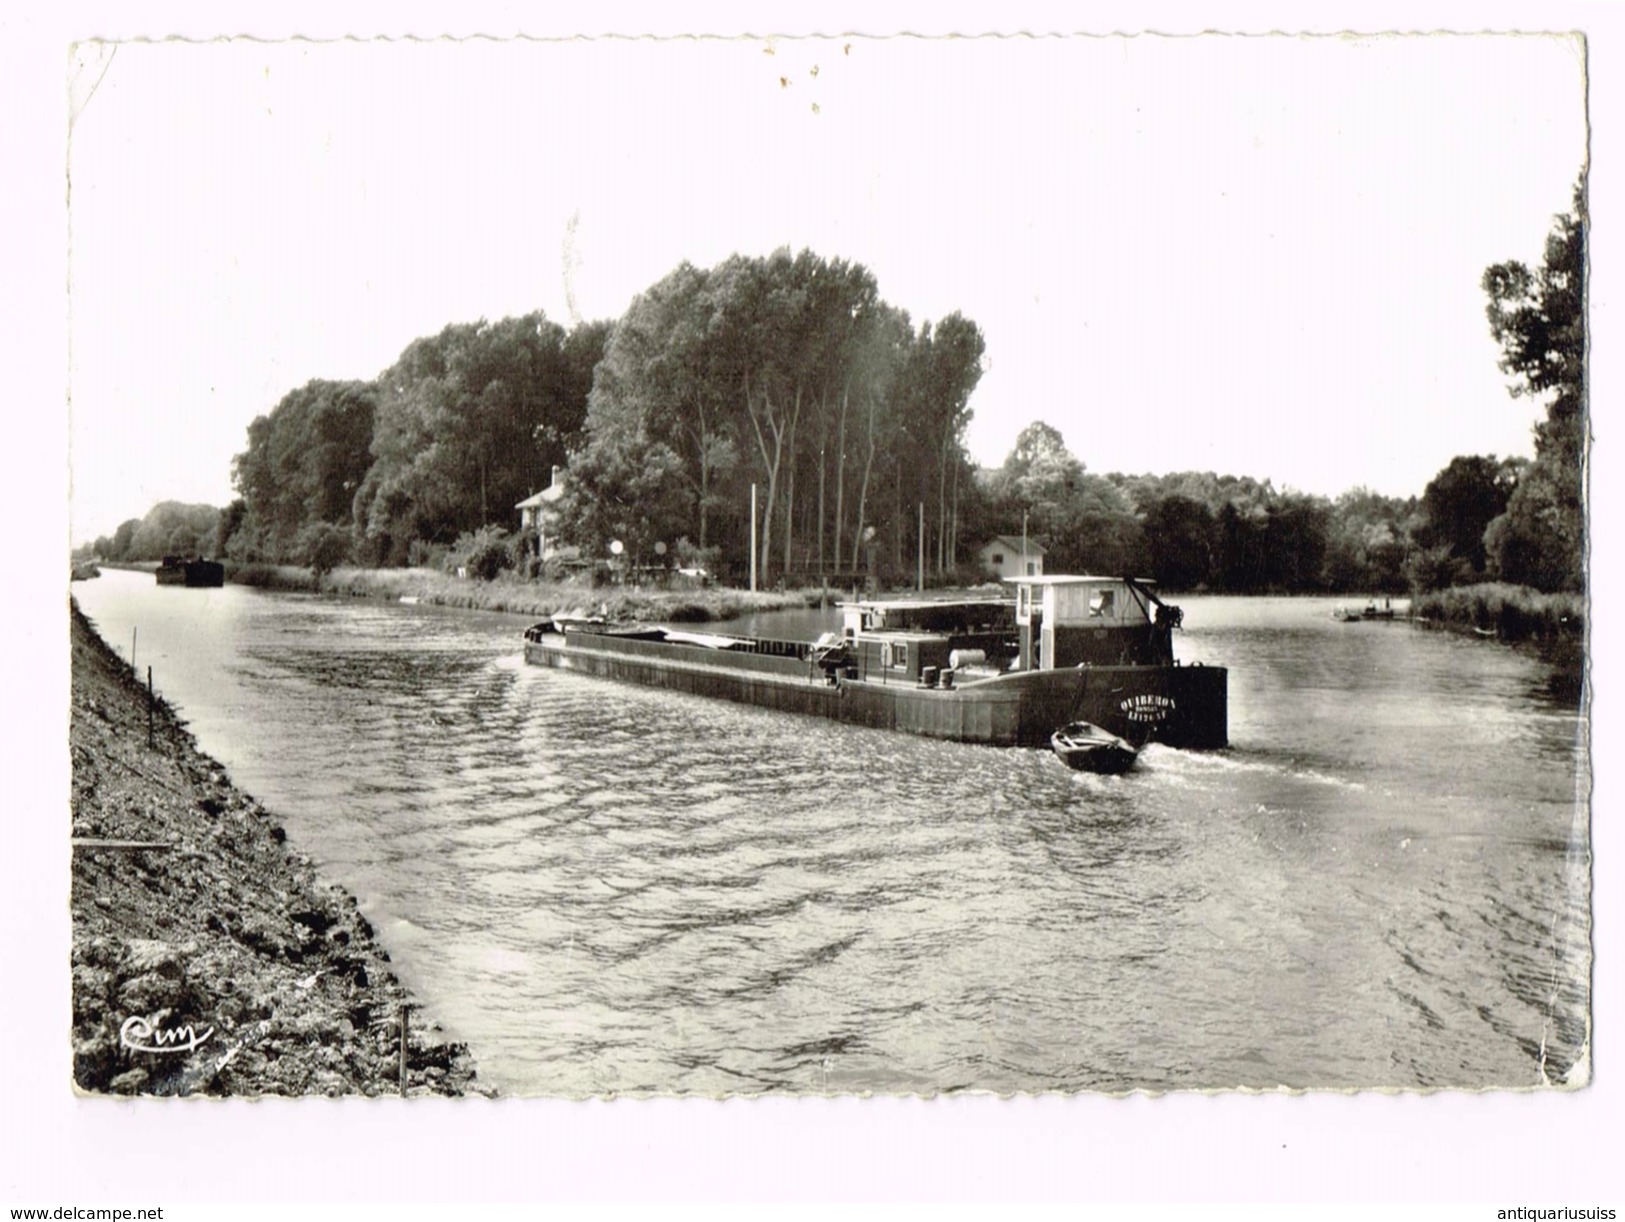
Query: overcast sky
(1258,256)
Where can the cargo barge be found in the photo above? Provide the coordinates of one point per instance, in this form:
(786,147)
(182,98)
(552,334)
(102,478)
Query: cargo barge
(993,669)
(198,574)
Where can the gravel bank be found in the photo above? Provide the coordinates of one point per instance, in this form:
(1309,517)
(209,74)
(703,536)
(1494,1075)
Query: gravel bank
(227,931)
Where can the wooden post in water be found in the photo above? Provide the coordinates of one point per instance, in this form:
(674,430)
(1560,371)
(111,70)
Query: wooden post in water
(149,706)
(405,1007)
(753,538)
(132,650)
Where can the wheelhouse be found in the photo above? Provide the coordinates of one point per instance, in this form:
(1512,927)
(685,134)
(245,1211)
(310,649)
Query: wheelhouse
(1092,621)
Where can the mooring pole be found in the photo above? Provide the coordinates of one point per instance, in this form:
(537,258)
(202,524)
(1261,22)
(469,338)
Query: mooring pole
(149,706)
(753,538)
(132,650)
(405,1007)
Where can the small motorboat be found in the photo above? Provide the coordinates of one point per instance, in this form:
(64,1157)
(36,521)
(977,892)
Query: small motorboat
(1086,747)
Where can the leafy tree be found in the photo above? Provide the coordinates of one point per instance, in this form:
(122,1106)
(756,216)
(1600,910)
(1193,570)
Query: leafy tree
(124,539)
(468,423)
(1243,550)
(624,487)
(1039,469)
(182,541)
(1460,502)
(227,528)
(657,377)
(1087,522)
(1369,541)
(303,465)
(1436,568)
(1540,540)
(949,367)
(1295,529)
(880,388)
(1538,317)
(1091,540)
(1036,485)
(170,528)
(1181,535)
(324,546)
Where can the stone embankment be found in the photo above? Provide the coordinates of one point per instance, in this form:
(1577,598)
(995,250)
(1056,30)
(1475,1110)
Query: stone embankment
(208,956)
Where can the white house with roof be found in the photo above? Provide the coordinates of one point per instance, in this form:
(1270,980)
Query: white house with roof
(539,514)
(1009,556)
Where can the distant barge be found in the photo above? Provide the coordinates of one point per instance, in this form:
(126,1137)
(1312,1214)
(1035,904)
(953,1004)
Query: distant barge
(993,670)
(178,571)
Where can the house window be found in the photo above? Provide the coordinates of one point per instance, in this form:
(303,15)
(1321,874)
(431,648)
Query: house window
(998,559)
(1032,568)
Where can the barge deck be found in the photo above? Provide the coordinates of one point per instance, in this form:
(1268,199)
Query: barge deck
(965,671)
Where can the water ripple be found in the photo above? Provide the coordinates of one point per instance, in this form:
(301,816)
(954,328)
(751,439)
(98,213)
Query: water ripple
(613,890)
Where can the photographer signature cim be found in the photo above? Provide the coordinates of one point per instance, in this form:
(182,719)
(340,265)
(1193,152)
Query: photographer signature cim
(140,1035)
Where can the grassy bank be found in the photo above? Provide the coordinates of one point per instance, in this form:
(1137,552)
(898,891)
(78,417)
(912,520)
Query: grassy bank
(1513,613)
(538,599)
(191,912)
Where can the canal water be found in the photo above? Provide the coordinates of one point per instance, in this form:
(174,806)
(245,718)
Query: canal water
(604,889)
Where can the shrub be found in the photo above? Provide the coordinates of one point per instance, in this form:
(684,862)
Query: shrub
(558,569)
(688,556)
(323,547)
(421,554)
(483,553)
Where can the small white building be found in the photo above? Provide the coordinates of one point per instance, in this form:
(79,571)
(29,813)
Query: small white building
(1004,556)
(539,514)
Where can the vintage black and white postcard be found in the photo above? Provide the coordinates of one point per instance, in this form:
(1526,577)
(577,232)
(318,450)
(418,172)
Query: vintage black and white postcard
(829,565)
(821,566)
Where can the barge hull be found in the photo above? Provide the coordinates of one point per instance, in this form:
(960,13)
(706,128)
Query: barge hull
(1181,706)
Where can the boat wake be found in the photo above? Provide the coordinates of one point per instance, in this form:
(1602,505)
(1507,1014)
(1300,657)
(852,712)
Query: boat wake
(1176,763)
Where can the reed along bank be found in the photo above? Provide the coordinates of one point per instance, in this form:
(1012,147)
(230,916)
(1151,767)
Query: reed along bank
(1513,613)
(223,950)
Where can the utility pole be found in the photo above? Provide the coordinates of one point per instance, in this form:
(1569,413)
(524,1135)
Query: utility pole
(753,538)
(920,578)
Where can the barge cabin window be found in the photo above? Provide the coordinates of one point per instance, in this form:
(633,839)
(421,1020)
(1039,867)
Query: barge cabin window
(899,655)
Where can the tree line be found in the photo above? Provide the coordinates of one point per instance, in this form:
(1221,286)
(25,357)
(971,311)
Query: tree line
(1198,530)
(789,375)
(169,529)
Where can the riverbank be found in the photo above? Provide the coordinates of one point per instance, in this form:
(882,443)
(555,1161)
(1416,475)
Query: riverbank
(196,924)
(537,599)
(1512,613)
